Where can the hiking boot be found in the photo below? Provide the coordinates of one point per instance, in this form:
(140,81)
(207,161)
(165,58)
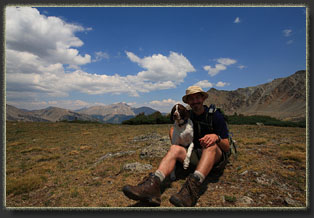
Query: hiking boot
(189,193)
(147,191)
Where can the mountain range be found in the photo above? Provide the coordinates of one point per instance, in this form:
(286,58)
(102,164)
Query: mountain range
(114,113)
(282,98)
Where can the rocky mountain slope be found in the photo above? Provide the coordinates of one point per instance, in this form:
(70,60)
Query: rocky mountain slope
(113,109)
(114,113)
(145,110)
(50,114)
(14,114)
(283,98)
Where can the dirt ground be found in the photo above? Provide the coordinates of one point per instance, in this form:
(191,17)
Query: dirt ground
(81,165)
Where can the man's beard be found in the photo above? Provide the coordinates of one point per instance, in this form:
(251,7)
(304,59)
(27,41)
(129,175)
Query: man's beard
(196,106)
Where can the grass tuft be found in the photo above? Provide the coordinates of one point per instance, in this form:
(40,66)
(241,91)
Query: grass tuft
(230,199)
(32,149)
(23,185)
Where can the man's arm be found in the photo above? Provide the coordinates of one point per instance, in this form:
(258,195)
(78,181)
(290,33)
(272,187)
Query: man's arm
(211,139)
(224,144)
(170,133)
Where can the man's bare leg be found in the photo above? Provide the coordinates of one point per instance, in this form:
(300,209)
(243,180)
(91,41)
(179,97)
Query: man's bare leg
(167,164)
(210,156)
(189,193)
(149,190)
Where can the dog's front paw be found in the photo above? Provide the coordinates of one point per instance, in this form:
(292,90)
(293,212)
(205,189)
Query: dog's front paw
(186,163)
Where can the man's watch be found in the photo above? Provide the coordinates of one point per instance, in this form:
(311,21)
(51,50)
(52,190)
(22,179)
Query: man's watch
(218,140)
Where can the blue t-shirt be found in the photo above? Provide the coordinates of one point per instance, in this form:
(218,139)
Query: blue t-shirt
(219,126)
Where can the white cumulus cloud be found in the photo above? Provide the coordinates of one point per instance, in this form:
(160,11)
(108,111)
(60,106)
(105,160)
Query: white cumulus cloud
(161,68)
(37,104)
(241,67)
(165,102)
(237,20)
(222,84)
(212,71)
(287,32)
(204,84)
(49,39)
(226,61)
(99,55)
(43,60)
(163,105)
(222,65)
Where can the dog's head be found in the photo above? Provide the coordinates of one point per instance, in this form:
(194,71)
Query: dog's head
(179,114)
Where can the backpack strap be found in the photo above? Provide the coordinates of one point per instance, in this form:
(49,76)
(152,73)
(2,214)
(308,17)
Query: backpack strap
(209,117)
(208,120)
(212,109)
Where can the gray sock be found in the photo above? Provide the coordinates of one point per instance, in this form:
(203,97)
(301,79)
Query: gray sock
(160,175)
(199,175)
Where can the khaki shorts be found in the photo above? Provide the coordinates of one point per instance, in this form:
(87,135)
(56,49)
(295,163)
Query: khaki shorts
(195,158)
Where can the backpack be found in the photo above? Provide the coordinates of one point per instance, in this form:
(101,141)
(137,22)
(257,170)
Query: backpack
(209,123)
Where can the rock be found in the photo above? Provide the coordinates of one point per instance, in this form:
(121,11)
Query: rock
(262,196)
(151,137)
(223,199)
(137,167)
(263,180)
(244,173)
(110,155)
(153,151)
(290,202)
(255,173)
(157,145)
(245,201)
(157,148)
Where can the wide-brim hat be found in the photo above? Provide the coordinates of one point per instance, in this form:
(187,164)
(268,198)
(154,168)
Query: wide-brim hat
(193,90)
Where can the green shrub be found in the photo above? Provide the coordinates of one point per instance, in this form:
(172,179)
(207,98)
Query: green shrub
(266,120)
(155,118)
(80,121)
(230,199)
(158,118)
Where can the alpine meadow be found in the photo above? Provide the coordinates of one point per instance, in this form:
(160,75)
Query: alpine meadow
(89,92)
(86,165)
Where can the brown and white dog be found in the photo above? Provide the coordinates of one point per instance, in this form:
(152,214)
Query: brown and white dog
(182,131)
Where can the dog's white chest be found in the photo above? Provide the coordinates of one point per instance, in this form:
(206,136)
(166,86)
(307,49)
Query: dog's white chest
(183,135)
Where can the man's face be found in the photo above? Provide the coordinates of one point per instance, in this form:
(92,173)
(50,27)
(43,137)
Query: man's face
(196,101)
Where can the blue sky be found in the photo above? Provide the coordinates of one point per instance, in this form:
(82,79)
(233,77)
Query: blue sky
(74,57)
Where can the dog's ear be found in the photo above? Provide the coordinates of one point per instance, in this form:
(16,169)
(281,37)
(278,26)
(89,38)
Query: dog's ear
(171,114)
(186,113)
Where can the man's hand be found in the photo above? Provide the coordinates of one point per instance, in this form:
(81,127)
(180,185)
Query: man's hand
(208,140)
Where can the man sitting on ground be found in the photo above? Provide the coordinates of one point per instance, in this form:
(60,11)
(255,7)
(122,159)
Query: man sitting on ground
(211,146)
